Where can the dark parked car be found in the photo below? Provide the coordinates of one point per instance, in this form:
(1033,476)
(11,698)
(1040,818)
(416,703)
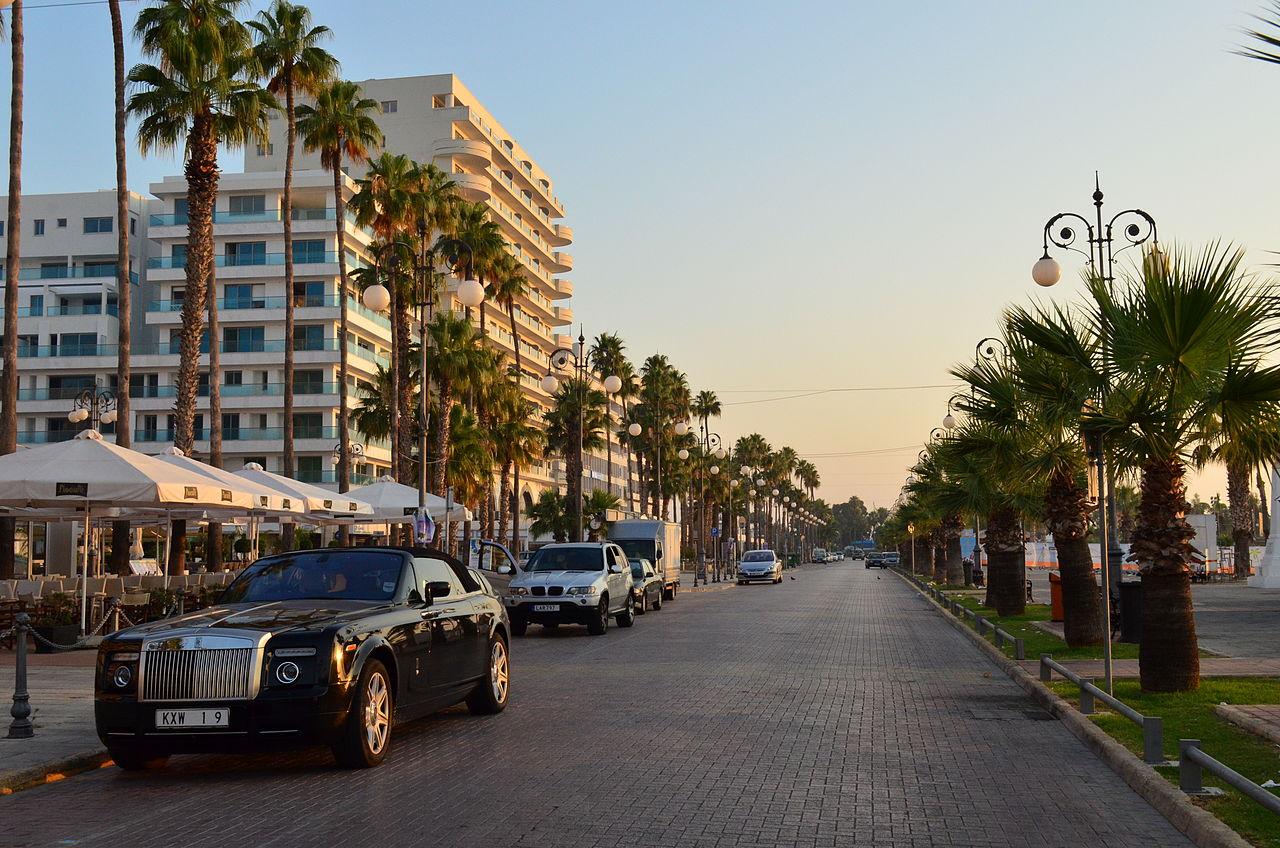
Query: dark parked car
(876,559)
(334,646)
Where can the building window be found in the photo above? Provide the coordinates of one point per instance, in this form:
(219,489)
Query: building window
(62,223)
(144,385)
(100,269)
(243,339)
(437,101)
(180,210)
(238,296)
(1,228)
(38,223)
(100,224)
(308,425)
(231,426)
(53,271)
(246,253)
(309,252)
(390,106)
(179,256)
(233,378)
(133,226)
(150,430)
(308,293)
(247,204)
(37,305)
(266,149)
(309,382)
(310,469)
(308,337)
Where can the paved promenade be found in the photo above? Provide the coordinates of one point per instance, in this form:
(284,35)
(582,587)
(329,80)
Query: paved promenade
(834,709)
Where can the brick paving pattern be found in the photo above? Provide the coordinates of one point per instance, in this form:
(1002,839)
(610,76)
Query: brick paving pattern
(836,709)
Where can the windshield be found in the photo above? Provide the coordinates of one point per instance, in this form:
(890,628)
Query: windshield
(566,559)
(319,575)
(636,548)
(758,556)
(637,568)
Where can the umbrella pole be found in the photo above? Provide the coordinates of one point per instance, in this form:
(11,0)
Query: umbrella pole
(168,535)
(84,575)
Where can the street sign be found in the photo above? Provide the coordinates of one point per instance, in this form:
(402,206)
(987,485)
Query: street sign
(715,532)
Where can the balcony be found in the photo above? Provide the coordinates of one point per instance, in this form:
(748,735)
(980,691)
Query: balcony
(472,187)
(103,271)
(222,260)
(563,289)
(468,152)
(560,235)
(265,217)
(562,262)
(564,316)
(67,350)
(230,304)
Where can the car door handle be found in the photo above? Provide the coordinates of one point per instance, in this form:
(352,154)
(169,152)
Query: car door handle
(432,613)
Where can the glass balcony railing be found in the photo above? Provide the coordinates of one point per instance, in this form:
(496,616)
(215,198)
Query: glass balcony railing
(71,272)
(82,309)
(44,437)
(265,216)
(233,303)
(44,351)
(224,260)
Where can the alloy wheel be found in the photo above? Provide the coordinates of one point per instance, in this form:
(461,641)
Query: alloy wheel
(377,713)
(499,671)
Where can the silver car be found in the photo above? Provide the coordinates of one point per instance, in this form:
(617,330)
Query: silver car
(574,583)
(759,565)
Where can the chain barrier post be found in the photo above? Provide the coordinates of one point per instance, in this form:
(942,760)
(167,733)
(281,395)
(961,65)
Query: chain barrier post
(21,727)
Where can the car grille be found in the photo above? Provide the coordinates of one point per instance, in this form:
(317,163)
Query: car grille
(197,674)
(538,590)
(555,590)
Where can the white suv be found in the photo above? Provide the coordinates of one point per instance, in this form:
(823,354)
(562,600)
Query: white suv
(572,583)
(759,565)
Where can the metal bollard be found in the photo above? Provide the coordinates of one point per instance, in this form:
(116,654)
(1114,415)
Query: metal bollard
(1152,739)
(1046,673)
(1019,649)
(21,727)
(999,637)
(1086,697)
(1190,775)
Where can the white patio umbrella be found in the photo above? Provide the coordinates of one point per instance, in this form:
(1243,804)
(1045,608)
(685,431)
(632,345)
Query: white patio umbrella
(395,503)
(74,476)
(320,504)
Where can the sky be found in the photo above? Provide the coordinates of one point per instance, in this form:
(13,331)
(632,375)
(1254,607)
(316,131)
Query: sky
(814,209)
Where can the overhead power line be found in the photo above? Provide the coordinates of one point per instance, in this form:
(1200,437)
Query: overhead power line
(816,392)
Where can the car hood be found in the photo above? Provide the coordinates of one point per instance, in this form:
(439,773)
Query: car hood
(558,578)
(271,617)
(753,566)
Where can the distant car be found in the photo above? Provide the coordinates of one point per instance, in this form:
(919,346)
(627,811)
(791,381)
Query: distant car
(891,558)
(759,565)
(833,557)
(646,586)
(573,583)
(857,554)
(875,559)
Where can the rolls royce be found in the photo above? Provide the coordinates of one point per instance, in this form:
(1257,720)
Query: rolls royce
(334,646)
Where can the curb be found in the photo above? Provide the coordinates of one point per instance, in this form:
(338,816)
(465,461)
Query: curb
(714,587)
(1247,722)
(52,771)
(1200,826)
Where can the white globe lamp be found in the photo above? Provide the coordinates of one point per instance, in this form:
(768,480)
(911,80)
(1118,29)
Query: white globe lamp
(376,298)
(612,384)
(1046,272)
(681,428)
(721,453)
(715,469)
(550,384)
(683,453)
(470,293)
(635,429)
(949,421)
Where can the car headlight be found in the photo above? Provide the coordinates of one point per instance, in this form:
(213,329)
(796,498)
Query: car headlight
(122,676)
(519,590)
(584,590)
(287,673)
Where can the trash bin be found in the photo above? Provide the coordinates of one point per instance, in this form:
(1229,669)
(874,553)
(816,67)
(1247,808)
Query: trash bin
(1131,611)
(1055,596)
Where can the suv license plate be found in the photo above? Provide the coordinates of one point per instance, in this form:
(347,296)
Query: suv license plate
(546,608)
(181,719)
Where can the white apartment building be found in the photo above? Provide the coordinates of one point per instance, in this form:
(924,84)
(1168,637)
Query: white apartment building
(68,320)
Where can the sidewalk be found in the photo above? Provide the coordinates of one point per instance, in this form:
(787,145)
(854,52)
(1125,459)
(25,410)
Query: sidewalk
(61,687)
(1209,667)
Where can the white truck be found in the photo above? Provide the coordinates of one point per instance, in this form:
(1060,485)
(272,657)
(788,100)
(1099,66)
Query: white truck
(656,541)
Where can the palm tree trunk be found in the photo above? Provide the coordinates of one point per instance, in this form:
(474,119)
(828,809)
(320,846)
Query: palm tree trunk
(287,462)
(1168,656)
(202,188)
(120,536)
(438,471)
(1262,507)
(515,510)
(9,381)
(398,355)
(213,541)
(1067,515)
(939,557)
(504,501)
(1241,517)
(405,418)
(344,436)
(951,526)
(177,547)
(1006,563)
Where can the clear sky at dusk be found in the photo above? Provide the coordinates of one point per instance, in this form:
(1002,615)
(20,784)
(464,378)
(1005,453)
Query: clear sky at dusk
(792,197)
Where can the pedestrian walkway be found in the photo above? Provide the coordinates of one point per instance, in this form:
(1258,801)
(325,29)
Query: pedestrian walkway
(62,712)
(835,709)
(1209,667)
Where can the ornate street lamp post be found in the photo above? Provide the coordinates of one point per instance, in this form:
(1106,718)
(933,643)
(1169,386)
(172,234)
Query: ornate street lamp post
(95,405)
(1132,227)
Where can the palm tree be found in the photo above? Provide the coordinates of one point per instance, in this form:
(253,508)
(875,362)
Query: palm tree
(608,355)
(470,461)
(124,291)
(517,442)
(630,389)
(372,417)
(1180,336)
(705,407)
(201,94)
(596,504)
(289,54)
(474,247)
(341,126)
(9,379)
(550,516)
(575,425)
(460,361)
(382,202)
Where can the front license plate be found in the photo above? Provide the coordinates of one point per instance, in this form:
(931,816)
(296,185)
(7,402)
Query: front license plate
(546,608)
(181,719)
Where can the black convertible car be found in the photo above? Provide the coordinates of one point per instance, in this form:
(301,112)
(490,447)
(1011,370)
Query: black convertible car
(332,645)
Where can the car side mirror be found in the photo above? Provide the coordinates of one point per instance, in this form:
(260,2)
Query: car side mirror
(614,568)
(439,588)
(505,569)
(416,599)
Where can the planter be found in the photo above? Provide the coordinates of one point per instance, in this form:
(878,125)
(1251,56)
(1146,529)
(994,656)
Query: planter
(63,634)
